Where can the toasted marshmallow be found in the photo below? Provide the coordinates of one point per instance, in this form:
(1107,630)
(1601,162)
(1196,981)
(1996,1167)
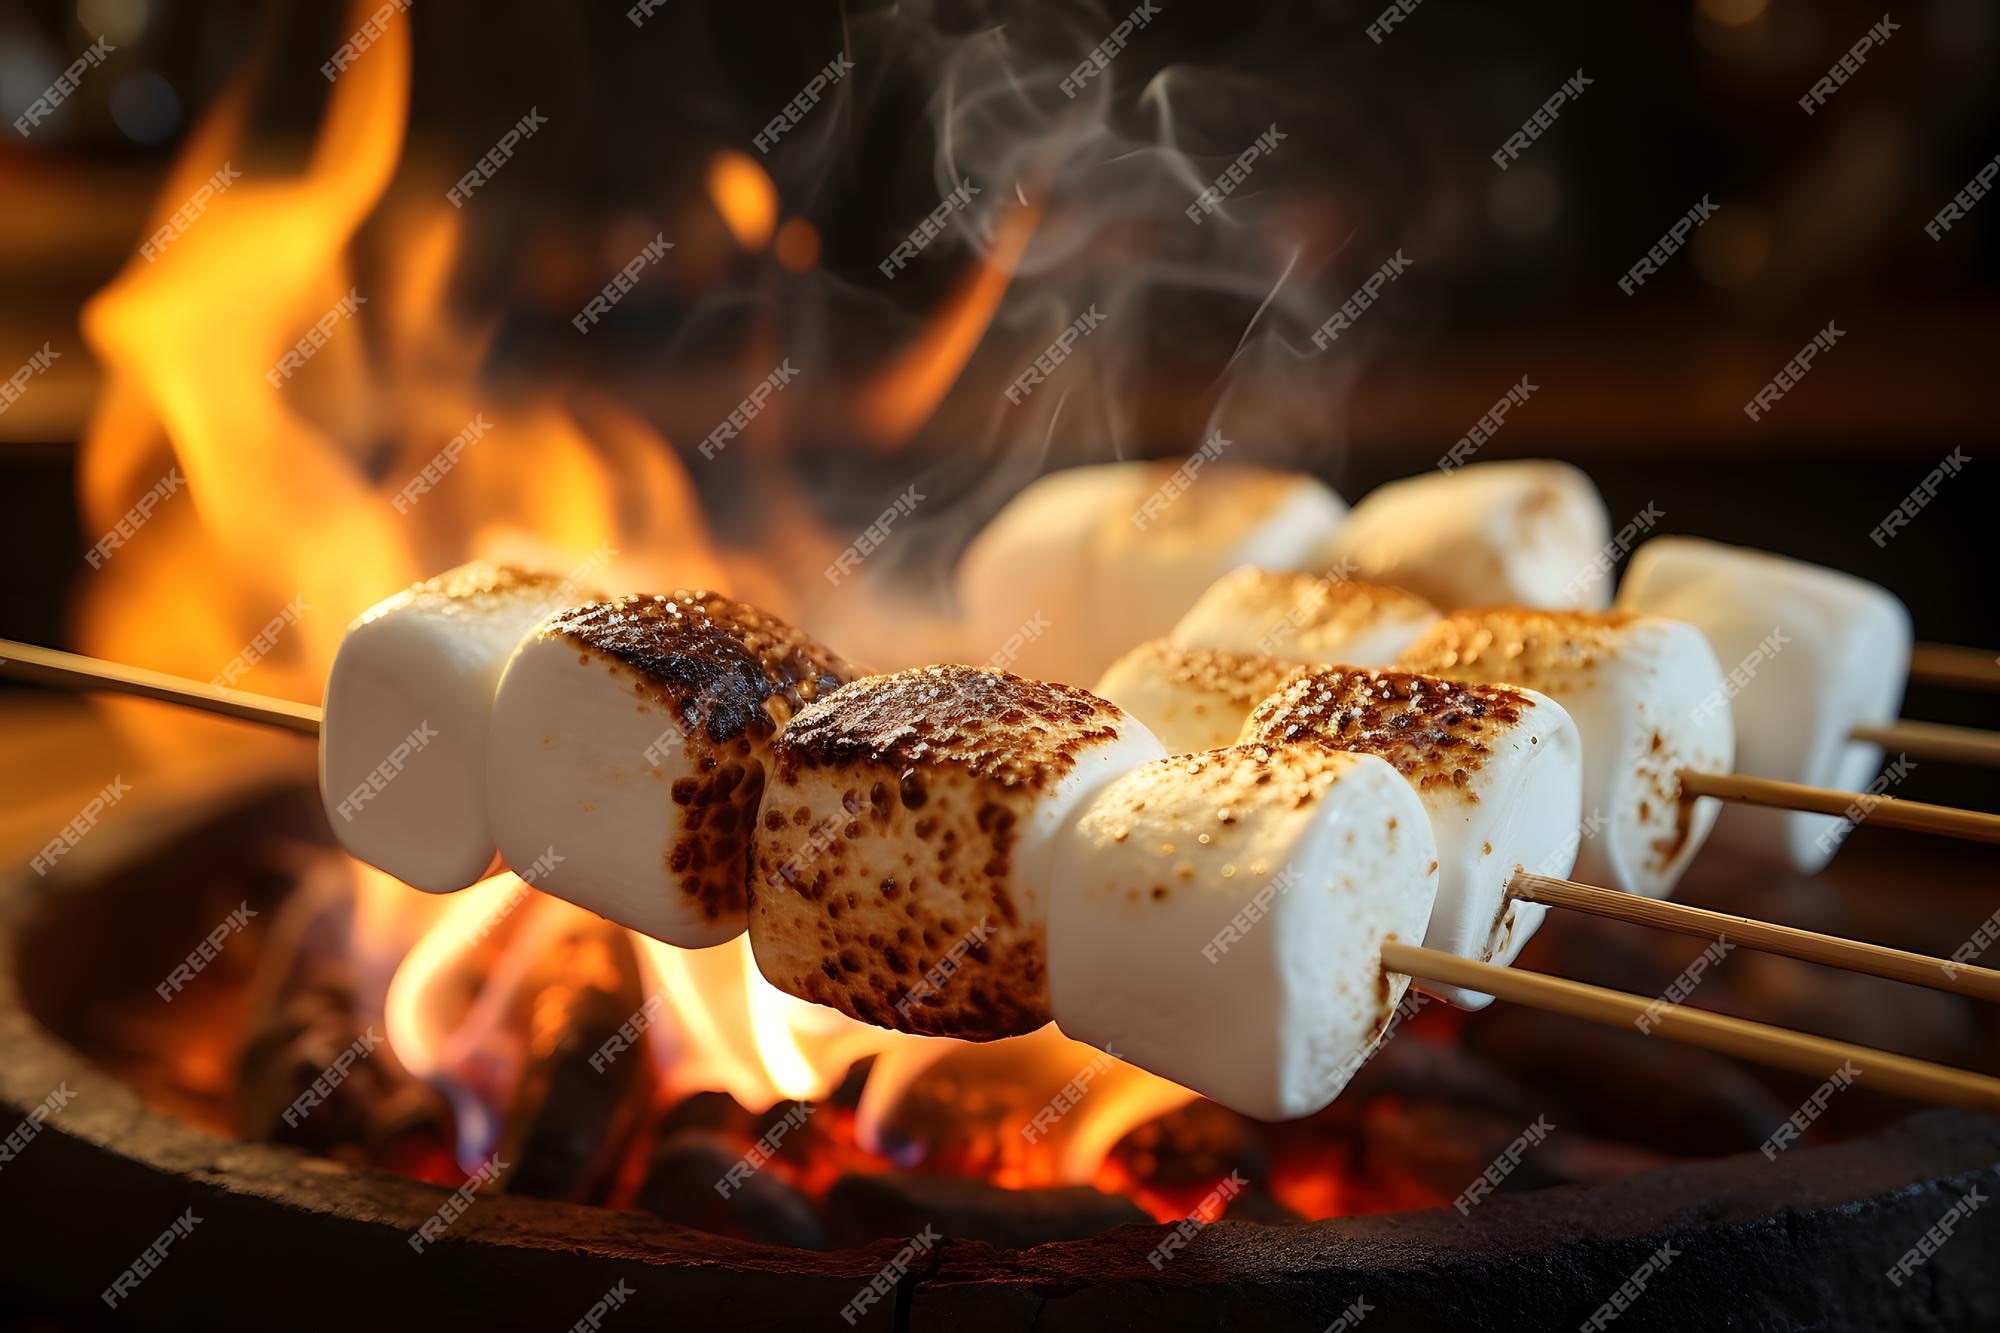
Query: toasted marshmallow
(1110,556)
(1219,919)
(402,744)
(1813,655)
(1647,698)
(1304,617)
(631,738)
(905,846)
(1500,773)
(1193,699)
(1489,533)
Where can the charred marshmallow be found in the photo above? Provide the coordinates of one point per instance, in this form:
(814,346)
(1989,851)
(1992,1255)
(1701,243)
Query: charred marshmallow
(905,845)
(632,737)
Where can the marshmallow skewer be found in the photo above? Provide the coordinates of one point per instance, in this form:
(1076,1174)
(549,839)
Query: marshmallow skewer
(1732,1036)
(1739,1037)
(51,666)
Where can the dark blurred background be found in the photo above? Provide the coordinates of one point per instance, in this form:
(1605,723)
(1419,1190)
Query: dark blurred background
(1514,273)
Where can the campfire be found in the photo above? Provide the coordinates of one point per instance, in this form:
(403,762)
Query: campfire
(307,403)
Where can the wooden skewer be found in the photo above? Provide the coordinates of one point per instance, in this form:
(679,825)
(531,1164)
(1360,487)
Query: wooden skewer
(1935,740)
(1887,811)
(1942,664)
(48,665)
(25,661)
(1798,1051)
(1980,983)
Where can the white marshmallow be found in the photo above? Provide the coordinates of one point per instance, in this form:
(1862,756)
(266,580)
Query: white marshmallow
(1304,617)
(1500,773)
(904,850)
(1112,555)
(1813,654)
(1219,920)
(1191,698)
(630,738)
(1526,533)
(1644,694)
(402,746)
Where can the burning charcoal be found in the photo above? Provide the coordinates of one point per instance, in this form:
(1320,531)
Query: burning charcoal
(316,1073)
(716,1111)
(313,1076)
(1260,1205)
(1444,1149)
(1627,1086)
(575,1110)
(865,1208)
(689,1182)
(794,1126)
(1198,1143)
(848,1094)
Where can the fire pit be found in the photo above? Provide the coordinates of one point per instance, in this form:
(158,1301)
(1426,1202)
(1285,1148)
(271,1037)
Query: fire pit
(1802,1239)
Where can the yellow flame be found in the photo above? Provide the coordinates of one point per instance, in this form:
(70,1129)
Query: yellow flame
(187,340)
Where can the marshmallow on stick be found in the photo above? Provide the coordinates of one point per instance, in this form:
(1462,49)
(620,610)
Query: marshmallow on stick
(402,754)
(904,850)
(1813,654)
(1192,698)
(1520,532)
(1218,919)
(631,738)
(1648,700)
(1304,617)
(1498,769)
(1111,555)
